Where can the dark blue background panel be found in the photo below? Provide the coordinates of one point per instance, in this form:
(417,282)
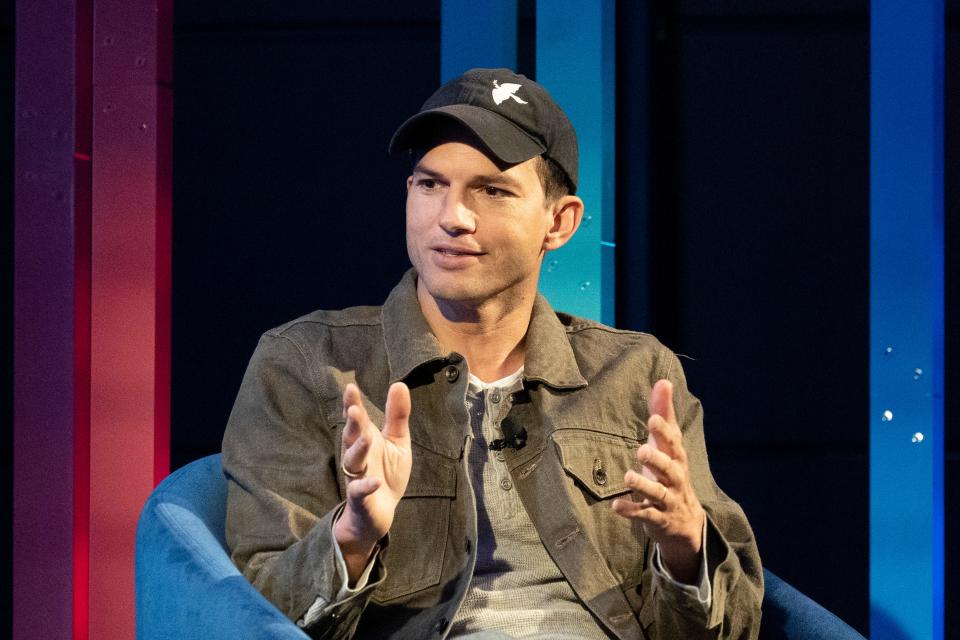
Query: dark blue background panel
(951,163)
(759,269)
(285,198)
(292,15)
(773,256)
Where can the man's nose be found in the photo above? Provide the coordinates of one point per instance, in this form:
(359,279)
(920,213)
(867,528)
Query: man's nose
(456,217)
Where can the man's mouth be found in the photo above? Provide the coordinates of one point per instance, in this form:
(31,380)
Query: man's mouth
(454,252)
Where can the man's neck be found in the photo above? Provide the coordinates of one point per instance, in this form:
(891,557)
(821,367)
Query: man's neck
(491,336)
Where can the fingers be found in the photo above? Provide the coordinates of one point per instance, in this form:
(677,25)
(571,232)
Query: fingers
(360,488)
(397,424)
(663,457)
(354,458)
(666,437)
(658,466)
(351,396)
(640,510)
(362,439)
(651,490)
(661,400)
(356,418)
(664,432)
(356,433)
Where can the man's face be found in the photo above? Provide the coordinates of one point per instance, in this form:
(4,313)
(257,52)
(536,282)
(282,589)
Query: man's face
(475,232)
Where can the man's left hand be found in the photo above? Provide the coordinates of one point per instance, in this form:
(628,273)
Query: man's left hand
(664,499)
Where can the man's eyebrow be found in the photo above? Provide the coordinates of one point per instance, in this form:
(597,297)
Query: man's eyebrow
(436,175)
(491,178)
(498,178)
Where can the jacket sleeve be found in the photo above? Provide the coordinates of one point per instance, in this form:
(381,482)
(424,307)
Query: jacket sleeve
(733,561)
(279,457)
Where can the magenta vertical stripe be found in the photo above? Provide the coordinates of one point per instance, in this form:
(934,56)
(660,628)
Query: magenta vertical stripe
(164,280)
(45,388)
(83,203)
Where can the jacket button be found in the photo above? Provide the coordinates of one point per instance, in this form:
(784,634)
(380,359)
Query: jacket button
(495,396)
(440,625)
(506,484)
(451,373)
(599,473)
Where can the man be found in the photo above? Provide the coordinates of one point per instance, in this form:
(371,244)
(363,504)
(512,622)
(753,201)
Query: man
(464,461)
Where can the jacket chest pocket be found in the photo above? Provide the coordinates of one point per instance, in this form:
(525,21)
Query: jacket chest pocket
(596,461)
(418,537)
(595,464)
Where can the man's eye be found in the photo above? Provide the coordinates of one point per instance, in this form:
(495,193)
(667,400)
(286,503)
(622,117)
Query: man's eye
(427,183)
(493,192)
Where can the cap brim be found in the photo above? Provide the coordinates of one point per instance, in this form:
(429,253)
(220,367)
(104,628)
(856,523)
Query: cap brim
(503,138)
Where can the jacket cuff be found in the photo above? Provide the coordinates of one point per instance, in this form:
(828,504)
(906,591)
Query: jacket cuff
(335,611)
(680,594)
(723,568)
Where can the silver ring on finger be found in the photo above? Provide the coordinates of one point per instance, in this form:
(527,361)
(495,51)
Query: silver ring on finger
(352,475)
(664,496)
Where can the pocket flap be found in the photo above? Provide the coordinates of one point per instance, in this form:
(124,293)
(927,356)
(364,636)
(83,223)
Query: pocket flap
(432,475)
(597,461)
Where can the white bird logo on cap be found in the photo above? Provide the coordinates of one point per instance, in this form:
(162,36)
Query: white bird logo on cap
(506,90)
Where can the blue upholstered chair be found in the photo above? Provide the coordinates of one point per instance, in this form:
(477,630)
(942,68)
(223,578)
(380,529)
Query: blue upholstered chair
(188,588)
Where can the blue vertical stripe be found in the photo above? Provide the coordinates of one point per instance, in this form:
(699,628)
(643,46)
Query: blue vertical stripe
(477,34)
(575,62)
(906,319)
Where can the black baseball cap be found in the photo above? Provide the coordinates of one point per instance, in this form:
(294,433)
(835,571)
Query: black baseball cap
(512,116)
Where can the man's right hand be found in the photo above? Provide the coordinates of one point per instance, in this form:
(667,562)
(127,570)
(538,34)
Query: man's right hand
(381,462)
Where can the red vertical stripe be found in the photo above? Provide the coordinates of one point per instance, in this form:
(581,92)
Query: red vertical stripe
(81,433)
(82,203)
(164,284)
(130,297)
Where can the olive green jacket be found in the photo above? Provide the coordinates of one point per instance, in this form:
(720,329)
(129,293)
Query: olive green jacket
(584,407)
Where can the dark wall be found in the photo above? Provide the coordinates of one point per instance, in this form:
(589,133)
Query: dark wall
(285,199)
(952,307)
(760,192)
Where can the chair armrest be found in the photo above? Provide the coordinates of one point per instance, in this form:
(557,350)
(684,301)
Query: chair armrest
(186,585)
(790,615)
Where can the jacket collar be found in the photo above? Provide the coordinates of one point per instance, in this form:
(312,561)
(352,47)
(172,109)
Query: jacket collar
(407,337)
(410,343)
(549,357)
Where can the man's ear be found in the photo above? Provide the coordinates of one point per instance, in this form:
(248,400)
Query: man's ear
(567,212)
(409,182)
